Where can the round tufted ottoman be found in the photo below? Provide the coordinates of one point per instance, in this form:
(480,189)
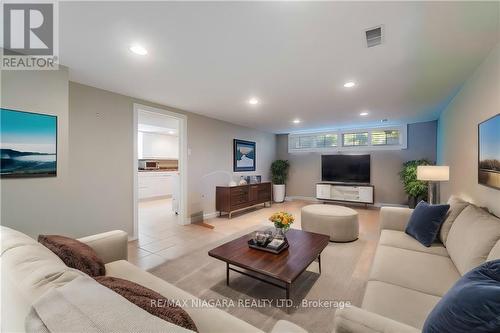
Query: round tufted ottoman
(338,222)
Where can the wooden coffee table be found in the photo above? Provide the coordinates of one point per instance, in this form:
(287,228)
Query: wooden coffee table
(280,270)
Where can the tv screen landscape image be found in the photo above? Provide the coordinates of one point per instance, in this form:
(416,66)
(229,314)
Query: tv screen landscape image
(28,144)
(489,152)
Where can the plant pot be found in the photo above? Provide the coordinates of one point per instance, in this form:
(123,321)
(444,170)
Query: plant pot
(279,192)
(413,201)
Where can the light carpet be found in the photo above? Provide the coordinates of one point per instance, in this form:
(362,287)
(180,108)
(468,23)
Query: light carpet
(345,269)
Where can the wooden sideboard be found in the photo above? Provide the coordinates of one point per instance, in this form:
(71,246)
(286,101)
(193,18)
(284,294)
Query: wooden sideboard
(229,199)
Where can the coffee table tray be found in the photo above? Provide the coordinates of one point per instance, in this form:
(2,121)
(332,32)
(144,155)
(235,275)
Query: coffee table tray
(252,244)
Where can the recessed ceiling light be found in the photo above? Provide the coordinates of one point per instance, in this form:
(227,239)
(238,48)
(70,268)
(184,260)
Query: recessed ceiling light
(253,101)
(138,49)
(171,132)
(296,121)
(349,84)
(363,114)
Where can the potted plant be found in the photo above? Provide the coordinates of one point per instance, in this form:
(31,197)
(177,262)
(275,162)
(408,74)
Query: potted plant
(416,189)
(279,173)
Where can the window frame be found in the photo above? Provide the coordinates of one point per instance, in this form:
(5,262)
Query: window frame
(340,140)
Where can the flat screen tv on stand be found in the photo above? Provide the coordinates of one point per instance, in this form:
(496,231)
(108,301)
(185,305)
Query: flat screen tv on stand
(345,169)
(345,178)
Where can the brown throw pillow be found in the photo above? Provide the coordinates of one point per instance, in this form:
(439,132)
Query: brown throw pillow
(74,254)
(148,300)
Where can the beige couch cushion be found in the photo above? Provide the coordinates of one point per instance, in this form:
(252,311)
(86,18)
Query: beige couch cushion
(495,252)
(457,205)
(284,326)
(31,266)
(28,270)
(401,304)
(12,238)
(354,319)
(83,305)
(206,319)
(471,238)
(428,273)
(402,240)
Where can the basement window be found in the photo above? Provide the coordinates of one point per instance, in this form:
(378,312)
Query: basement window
(355,139)
(360,139)
(313,141)
(385,138)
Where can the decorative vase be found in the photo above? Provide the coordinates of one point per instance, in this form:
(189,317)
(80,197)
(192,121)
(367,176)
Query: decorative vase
(242,181)
(279,192)
(280,233)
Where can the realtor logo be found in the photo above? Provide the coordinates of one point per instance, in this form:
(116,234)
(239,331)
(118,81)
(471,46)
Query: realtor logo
(28,36)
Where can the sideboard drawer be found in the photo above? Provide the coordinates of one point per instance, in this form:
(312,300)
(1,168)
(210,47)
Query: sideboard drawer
(238,190)
(239,199)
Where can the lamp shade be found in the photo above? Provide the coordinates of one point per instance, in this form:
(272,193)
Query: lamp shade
(433,172)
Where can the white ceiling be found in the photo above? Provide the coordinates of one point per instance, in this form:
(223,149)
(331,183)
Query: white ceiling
(210,58)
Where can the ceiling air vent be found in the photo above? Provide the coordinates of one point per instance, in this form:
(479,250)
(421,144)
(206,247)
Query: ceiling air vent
(373,36)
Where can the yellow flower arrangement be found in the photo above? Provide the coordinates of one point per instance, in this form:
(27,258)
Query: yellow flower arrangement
(282,220)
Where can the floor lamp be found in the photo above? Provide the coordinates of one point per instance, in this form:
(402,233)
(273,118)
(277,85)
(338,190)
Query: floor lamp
(433,174)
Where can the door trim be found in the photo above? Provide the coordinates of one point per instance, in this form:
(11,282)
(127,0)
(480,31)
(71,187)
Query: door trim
(183,148)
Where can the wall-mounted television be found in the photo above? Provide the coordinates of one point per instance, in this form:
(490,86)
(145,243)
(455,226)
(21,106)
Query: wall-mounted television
(345,168)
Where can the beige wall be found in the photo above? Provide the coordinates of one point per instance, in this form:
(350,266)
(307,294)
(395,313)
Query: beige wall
(94,187)
(100,159)
(210,145)
(38,205)
(305,168)
(478,100)
(210,162)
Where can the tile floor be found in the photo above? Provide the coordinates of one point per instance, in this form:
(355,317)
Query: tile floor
(162,239)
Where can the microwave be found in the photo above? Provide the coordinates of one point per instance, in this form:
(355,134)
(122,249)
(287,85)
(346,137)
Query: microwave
(149,165)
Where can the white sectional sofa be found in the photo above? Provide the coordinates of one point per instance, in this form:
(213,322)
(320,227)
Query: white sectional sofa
(407,279)
(29,270)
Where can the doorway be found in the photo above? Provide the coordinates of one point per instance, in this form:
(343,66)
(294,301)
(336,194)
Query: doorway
(160,169)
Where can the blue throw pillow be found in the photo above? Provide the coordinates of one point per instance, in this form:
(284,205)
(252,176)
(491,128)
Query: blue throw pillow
(425,222)
(472,305)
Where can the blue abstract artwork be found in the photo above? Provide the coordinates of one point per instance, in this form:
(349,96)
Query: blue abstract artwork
(28,144)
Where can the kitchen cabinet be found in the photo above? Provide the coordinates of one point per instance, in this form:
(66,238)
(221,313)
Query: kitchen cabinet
(157,183)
